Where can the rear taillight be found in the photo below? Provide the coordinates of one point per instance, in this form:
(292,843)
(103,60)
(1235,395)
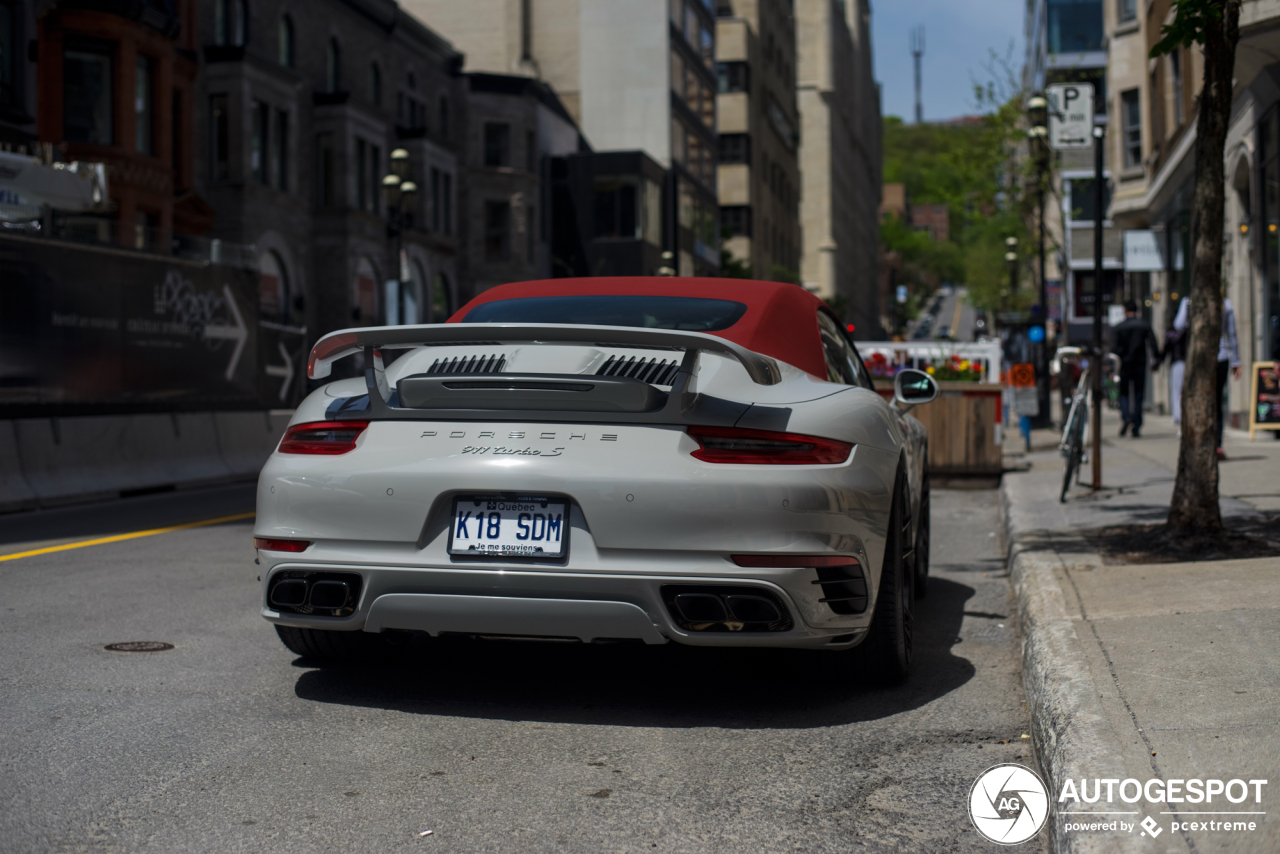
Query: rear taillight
(793,560)
(322,437)
(280,545)
(762,447)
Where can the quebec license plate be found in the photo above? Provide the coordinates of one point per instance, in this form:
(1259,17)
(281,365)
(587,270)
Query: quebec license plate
(534,527)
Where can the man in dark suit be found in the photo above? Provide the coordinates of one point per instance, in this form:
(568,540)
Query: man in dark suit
(1130,341)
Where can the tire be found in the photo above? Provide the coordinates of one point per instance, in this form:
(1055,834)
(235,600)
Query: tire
(884,658)
(920,553)
(330,646)
(1075,450)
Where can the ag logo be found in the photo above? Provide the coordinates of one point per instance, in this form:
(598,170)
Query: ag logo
(1008,804)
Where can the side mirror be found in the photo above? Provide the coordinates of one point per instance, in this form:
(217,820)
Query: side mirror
(912,387)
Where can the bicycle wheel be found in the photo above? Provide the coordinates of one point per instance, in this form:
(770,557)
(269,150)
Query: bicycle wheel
(1074,451)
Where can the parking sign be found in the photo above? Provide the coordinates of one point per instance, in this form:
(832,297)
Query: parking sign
(1070,115)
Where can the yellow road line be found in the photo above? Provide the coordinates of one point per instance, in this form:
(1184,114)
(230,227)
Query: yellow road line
(133,535)
(955,321)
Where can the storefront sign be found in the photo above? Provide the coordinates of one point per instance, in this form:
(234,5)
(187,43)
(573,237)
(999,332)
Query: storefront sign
(1143,252)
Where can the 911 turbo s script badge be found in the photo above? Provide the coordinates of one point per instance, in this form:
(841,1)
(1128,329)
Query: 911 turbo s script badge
(503,451)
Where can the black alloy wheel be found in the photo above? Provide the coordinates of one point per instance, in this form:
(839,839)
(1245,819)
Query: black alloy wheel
(884,658)
(920,554)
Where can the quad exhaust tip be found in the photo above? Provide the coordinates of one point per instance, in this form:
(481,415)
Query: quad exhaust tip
(718,608)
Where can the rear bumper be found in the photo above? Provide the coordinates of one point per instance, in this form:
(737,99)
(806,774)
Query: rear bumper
(585,606)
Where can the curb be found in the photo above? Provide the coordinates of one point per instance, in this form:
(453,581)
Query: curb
(1069,728)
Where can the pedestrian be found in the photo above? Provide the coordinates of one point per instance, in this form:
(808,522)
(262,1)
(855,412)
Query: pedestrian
(1228,356)
(1175,350)
(1131,341)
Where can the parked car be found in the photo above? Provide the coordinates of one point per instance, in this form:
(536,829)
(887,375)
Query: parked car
(698,461)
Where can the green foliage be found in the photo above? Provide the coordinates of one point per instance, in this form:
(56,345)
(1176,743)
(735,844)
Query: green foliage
(780,273)
(970,167)
(1191,18)
(730,266)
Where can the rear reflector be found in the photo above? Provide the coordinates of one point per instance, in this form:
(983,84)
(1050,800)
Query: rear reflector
(280,545)
(762,447)
(322,437)
(793,560)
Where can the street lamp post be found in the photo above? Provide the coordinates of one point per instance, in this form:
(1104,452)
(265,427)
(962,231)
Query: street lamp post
(1012,257)
(1038,134)
(398,195)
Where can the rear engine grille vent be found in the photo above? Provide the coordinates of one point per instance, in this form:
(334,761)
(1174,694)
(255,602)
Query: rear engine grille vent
(716,608)
(465,365)
(651,371)
(844,589)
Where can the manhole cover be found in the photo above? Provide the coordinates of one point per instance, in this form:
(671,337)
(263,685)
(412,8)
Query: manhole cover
(139,646)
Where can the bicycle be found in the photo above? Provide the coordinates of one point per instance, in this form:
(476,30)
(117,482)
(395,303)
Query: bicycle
(1075,429)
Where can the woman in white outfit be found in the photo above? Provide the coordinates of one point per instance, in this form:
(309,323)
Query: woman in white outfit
(1175,350)
(1228,361)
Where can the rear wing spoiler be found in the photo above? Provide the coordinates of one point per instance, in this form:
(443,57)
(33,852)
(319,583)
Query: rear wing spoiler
(346,342)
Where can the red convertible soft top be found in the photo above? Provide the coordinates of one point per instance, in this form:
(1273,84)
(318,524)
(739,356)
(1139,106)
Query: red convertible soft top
(781,320)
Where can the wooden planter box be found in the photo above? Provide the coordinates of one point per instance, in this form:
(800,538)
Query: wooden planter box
(963,423)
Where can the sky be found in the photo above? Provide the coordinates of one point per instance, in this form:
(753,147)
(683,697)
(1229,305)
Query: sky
(958,36)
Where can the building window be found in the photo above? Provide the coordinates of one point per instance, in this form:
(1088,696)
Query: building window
(1082,204)
(1131,116)
(735,148)
(1128,10)
(444,116)
(230,22)
(326,184)
(446,198)
(735,220)
(273,285)
(526,30)
(144,105)
(497,231)
(435,199)
(87,78)
(280,151)
(531,234)
(1175,67)
(1075,26)
(176,150)
(8,52)
(530,152)
(497,144)
(375,178)
(219,138)
(285,50)
(733,76)
(258,151)
(362,174)
(333,67)
(375,85)
(616,209)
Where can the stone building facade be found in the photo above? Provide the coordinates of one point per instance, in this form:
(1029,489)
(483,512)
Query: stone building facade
(840,161)
(758,117)
(300,106)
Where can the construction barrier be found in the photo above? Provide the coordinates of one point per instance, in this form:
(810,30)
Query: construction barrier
(46,462)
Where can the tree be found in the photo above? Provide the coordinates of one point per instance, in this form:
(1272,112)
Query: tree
(1215,26)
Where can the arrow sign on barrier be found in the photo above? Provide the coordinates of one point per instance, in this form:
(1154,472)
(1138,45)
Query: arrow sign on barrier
(285,370)
(238,333)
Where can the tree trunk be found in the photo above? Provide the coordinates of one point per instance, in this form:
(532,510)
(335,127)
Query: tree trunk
(1194,508)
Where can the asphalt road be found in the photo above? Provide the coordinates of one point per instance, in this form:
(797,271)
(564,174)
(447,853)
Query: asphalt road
(955,317)
(228,742)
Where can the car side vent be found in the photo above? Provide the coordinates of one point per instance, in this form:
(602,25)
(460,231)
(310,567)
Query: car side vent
(465,365)
(650,371)
(844,588)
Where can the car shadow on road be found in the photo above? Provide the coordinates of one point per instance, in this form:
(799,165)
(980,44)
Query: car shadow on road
(649,686)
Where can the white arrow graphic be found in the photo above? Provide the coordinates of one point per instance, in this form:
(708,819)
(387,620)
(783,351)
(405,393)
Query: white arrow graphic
(238,333)
(285,370)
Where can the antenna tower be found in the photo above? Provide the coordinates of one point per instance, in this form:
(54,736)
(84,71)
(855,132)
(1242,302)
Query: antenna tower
(917,53)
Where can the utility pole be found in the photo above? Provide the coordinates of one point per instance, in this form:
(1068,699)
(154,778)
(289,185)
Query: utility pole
(917,53)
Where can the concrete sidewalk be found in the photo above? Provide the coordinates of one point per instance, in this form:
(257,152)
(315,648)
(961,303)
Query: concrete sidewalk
(1164,672)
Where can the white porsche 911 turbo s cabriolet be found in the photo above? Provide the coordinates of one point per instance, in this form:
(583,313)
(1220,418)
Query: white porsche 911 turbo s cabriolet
(704,461)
